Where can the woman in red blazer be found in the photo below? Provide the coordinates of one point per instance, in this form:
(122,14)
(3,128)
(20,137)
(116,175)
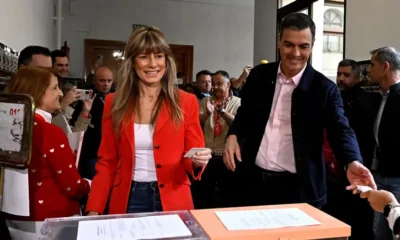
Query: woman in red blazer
(148,126)
(54,182)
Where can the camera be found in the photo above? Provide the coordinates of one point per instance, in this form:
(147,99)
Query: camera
(85,94)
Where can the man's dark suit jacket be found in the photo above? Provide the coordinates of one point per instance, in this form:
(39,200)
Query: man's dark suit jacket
(316,105)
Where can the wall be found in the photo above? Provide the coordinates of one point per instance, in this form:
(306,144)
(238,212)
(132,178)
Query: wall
(221,31)
(265,31)
(371,24)
(26,22)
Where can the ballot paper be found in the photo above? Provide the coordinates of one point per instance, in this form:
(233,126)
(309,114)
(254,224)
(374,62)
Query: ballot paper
(364,188)
(16,192)
(150,227)
(193,151)
(265,219)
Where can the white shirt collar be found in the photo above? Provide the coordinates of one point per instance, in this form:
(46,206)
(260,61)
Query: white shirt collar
(46,115)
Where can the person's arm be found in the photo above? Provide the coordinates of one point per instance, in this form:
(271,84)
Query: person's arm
(341,137)
(82,123)
(194,137)
(242,79)
(385,202)
(227,117)
(204,113)
(106,165)
(240,117)
(62,161)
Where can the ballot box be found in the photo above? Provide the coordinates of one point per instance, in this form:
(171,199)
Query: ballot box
(159,225)
(273,222)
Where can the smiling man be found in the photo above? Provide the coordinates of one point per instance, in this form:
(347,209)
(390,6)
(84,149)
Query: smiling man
(285,107)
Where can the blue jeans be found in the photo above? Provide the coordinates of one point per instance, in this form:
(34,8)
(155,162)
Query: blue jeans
(381,227)
(144,197)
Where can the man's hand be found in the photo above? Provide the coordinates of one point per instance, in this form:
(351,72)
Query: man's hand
(358,174)
(231,149)
(87,104)
(210,107)
(379,199)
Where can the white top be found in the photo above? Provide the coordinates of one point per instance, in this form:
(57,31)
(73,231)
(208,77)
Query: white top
(46,115)
(144,169)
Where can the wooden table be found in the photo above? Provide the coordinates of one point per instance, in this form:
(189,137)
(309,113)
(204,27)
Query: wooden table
(329,228)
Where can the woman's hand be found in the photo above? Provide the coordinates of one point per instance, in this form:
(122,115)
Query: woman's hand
(201,158)
(91,213)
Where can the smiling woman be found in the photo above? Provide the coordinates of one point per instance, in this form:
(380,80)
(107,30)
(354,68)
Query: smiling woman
(55,186)
(148,126)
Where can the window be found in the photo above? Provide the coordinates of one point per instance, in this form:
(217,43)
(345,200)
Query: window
(332,18)
(333,43)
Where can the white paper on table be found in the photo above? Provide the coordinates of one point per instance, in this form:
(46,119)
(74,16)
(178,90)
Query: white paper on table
(265,219)
(75,140)
(16,192)
(151,227)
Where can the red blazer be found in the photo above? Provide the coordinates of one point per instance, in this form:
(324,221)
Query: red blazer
(114,169)
(54,182)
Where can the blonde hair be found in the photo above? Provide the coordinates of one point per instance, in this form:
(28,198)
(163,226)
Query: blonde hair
(126,99)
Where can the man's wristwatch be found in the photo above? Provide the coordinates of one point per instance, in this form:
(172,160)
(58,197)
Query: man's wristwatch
(221,111)
(387,209)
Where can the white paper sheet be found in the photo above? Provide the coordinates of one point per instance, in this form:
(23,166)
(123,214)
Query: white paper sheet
(265,219)
(193,151)
(12,126)
(75,140)
(151,227)
(16,192)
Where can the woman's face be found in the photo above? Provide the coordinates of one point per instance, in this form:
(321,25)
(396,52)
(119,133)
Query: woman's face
(150,67)
(52,97)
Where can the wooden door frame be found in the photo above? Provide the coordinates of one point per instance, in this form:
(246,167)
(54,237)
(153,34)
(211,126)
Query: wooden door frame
(91,44)
(188,51)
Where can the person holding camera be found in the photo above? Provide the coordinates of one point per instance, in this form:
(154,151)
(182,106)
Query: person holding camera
(102,82)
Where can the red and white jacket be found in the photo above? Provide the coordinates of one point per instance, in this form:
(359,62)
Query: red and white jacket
(55,185)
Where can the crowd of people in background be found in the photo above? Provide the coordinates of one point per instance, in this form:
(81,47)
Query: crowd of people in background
(279,133)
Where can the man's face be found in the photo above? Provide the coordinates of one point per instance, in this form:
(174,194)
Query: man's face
(61,66)
(220,86)
(295,48)
(39,60)
(345,78)
(204,83)
(376,71)
(103,80)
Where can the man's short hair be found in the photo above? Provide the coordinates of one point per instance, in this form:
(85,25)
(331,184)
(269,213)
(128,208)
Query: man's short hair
(25,56)
(57,53)
(355,67)
(298,22)
(223,73)
(388,54)
(203,72)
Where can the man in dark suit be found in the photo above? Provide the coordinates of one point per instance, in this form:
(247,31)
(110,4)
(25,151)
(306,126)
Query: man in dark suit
(385,71)
(285,108)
